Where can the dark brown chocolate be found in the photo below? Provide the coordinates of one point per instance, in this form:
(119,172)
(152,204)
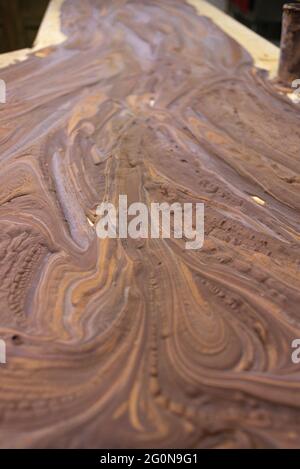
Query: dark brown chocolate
(122,343)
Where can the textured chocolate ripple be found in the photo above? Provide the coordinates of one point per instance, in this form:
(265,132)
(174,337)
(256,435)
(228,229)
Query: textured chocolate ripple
(130,343)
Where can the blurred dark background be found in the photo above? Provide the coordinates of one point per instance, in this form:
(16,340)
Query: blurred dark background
(19,22)
(263,16)
(20,19)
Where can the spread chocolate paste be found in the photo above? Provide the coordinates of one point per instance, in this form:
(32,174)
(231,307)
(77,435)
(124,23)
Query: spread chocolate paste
(142,343)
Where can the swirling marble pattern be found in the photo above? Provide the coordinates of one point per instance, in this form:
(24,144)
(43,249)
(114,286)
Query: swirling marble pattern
(130,343)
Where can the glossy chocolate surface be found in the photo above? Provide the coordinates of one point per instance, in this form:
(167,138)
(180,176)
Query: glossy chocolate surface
(129,343)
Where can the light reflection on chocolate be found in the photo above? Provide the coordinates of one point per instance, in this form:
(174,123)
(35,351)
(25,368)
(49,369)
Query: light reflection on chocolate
(118,343)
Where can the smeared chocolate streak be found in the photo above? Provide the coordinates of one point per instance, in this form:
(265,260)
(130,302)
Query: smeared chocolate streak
(130,343)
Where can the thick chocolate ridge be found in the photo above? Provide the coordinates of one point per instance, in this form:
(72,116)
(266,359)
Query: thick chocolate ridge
(123,343)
